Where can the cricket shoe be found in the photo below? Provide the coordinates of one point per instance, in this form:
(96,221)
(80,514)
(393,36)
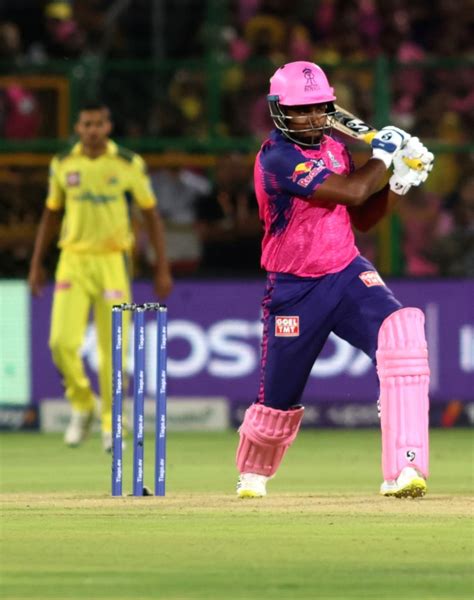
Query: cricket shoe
(79,427)
(252,485)
(107,443)
(409,484)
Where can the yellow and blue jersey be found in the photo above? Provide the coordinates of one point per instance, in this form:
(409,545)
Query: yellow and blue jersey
(95,194)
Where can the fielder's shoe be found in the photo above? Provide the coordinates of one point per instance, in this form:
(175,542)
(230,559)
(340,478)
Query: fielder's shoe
(409,484)
(107,442)
(252,485)
(78,428)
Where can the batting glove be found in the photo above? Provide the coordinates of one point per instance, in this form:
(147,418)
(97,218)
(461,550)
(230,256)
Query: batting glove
(400,184)
(387,142)
(403,177)
(414,149)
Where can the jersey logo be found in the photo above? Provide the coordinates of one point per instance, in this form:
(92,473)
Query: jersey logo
(113,294)
(334,162)
(73,179)
(89,196)
(309,168)
(371,278)
(62,285)
(287,326)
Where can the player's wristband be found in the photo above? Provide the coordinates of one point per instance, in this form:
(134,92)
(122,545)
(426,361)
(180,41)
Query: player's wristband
(385,157)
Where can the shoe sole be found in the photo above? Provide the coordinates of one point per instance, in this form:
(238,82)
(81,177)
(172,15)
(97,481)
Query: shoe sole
(415,489)
(249,494)
(109,449)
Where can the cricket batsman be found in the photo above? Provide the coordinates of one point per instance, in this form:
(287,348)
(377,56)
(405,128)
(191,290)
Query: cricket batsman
(309,196)
(92,188)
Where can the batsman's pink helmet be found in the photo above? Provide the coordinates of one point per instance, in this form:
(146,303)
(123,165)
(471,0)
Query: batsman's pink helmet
(300,82)
(297,84)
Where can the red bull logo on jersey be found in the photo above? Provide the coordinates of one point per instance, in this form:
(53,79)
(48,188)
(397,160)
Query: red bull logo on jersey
(301,169)
(287,326)
(304,172)
(371,278)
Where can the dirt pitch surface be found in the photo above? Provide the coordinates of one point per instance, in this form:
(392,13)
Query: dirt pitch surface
(327,504)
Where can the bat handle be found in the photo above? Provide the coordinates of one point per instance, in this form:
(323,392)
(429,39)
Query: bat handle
(413,163)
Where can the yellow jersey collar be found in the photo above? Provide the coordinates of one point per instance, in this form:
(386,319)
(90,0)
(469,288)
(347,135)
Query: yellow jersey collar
(111,149)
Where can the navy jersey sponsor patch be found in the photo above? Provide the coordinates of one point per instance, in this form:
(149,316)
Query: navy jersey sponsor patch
(287,326)
(371,278)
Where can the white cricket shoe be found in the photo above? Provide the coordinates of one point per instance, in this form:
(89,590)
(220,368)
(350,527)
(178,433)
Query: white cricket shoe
(252,485)
(78,428)
(107,442)
(409,484)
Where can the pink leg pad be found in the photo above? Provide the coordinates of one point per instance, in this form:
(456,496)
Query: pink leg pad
(265,435)
(402,366)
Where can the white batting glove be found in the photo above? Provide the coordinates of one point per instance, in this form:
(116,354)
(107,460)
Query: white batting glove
(414,149)
(403,177)
(387,142)
(400,184)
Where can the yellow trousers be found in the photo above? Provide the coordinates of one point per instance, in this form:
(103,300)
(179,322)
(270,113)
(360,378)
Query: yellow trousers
(85,282)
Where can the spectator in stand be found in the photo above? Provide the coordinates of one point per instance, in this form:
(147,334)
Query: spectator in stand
(20,211)
(179,191)
(10,43)
(454,252)
(228,223)
(448,127)
(64,38)
(21,113)
(186,92)
(20,116)
(408,86)
(26,17)
(422,221)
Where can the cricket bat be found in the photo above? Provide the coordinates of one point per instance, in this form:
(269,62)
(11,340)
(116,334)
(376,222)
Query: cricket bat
(350,125)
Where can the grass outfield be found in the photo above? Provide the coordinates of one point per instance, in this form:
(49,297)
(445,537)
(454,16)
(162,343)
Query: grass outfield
(322,533)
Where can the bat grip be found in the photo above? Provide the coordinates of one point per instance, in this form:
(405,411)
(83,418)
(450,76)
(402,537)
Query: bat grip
(413,163)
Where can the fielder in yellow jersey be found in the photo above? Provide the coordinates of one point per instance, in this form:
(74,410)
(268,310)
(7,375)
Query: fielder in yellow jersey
(91,191)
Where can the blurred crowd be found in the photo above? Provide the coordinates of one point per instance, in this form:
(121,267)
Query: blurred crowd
(246,40)
(429,76)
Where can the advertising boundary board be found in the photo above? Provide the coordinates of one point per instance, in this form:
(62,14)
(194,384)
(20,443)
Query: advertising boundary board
(214,345)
